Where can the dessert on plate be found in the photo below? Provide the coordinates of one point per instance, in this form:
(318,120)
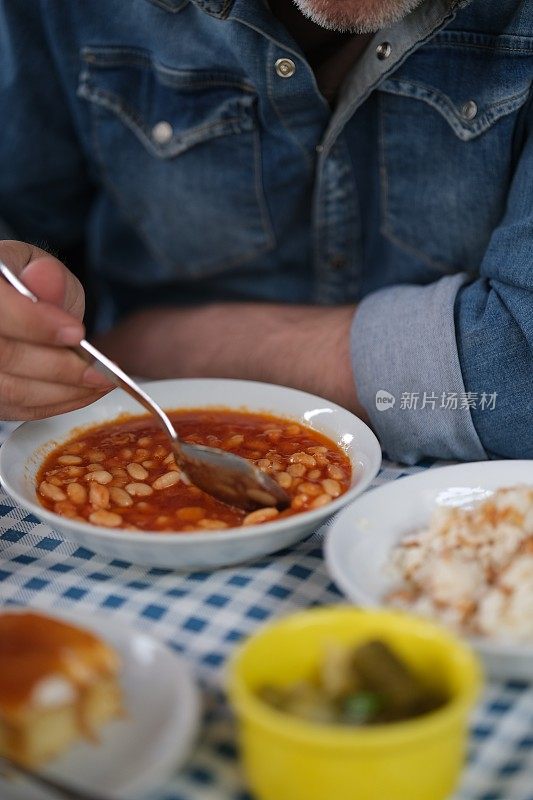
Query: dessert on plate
(58,683)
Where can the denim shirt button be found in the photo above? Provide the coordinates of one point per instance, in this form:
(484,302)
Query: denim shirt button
(469,110)
(383,51)
(162,132)
(285,67)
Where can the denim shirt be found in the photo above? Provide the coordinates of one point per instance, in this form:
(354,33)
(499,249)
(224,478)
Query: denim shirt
(164,135)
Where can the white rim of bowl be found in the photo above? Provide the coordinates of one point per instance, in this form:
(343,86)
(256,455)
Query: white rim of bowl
(223,534)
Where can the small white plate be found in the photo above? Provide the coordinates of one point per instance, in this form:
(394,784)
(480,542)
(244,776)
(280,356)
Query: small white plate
(140,752)
(361,539)
(24,451)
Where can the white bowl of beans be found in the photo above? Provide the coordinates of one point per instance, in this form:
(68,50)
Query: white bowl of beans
(104,476)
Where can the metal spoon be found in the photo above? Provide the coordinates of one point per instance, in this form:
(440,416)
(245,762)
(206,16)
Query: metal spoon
(56,788)
(228,477)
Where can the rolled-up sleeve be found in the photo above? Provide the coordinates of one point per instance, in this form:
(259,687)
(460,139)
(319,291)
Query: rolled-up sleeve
(464,343)
(408,373)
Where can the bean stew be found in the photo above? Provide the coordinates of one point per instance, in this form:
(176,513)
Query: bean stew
(123,475)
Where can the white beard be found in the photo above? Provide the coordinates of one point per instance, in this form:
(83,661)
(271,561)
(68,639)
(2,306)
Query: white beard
(356,16)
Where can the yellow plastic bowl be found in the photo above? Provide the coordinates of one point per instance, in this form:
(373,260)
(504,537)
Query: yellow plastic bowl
(286,758)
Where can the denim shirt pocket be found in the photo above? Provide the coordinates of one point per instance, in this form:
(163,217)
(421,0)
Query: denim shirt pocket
(447,122)
(179,151)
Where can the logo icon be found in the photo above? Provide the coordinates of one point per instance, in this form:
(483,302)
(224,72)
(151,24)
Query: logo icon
(384,400)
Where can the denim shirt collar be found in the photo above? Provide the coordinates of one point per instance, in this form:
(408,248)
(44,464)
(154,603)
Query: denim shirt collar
(403,38)
(216,8)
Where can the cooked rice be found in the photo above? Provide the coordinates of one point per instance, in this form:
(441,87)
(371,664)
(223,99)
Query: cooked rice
(473,568)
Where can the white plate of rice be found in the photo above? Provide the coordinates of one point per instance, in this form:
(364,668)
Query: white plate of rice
(454,544)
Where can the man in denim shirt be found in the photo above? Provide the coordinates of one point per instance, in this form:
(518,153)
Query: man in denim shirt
(233,223)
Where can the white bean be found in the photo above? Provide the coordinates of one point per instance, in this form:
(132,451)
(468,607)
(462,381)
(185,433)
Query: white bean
(303,458)
(66,509)
(166,480)
(331,487)
(261,515)
(74,472)
(101,476)
(335,472)
(106,518)
(299,501)
(70,460)
(321,500)
(98,495)
(261,497)
(139,489)
(310,489)
(296,470)
(137,472)
(234,441)
(75,447)
(77,493)
(96,455)
(52,492)
(284,480)
(212,524)
(292,430)
(120,497)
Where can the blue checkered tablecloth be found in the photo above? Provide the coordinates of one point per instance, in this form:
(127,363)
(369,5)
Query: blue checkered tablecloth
(204,614)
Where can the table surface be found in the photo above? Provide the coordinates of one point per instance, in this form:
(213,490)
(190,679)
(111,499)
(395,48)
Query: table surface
(203,615)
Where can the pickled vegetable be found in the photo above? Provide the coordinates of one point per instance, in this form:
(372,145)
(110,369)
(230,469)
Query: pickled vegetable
(364,685)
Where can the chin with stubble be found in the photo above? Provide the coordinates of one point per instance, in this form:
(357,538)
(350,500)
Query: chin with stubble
(356,16)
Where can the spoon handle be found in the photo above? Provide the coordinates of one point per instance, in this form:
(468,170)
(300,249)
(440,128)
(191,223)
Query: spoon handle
(91,354)
(226,476)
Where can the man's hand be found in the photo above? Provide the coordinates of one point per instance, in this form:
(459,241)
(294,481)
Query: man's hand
(39,376)
(300,346)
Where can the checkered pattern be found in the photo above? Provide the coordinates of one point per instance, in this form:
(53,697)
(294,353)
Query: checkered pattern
(202,615)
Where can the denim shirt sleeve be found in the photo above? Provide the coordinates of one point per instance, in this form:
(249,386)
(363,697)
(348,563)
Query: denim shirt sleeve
(406,367)
(44,189)
(457,336)
(494,317)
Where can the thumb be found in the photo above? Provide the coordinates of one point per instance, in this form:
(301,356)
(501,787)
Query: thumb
(52,282)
